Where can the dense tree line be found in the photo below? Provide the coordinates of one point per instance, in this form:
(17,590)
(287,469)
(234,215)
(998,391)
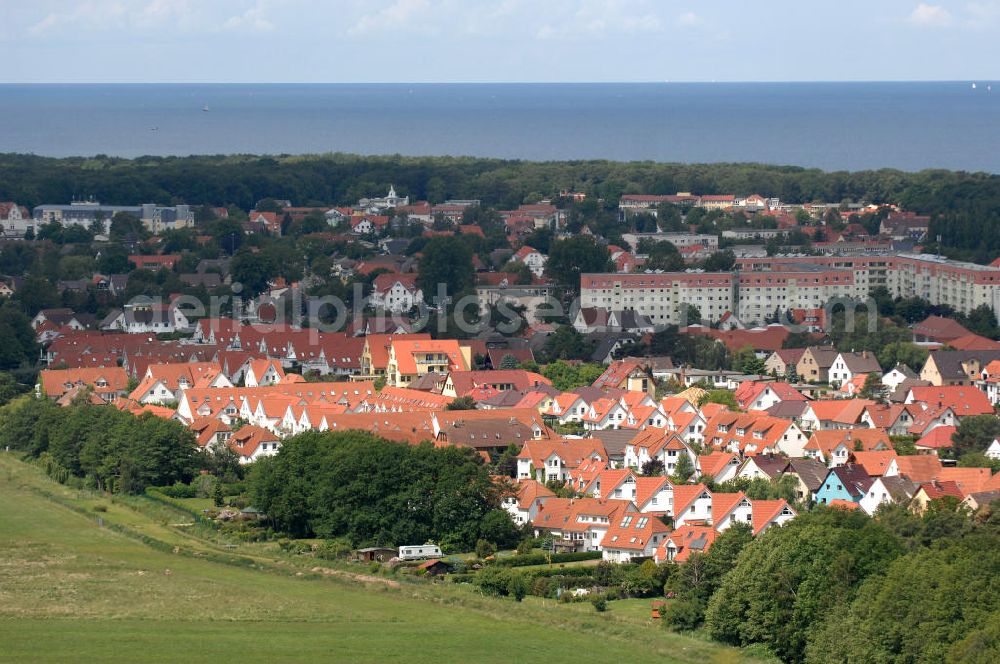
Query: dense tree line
(107,448)
(836,586)
(17,339)
(372,491)
(964,205)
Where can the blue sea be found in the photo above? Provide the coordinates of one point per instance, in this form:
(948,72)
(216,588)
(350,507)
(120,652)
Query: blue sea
(833,126)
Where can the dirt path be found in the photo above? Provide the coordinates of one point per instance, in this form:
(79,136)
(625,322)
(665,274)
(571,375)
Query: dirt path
(364,578)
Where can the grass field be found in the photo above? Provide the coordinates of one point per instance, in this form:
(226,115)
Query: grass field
(72,590)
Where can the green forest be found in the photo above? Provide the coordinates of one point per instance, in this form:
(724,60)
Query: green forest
(368,490)
(834,586)
(100,446)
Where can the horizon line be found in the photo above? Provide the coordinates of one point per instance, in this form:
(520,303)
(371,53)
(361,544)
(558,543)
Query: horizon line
(511,82)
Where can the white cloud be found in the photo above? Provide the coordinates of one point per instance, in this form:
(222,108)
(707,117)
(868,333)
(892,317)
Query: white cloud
(159,12)
(117,15)
(933,16)
(253,19)
(87,14)
(602,18)
(688,19)
(396,15)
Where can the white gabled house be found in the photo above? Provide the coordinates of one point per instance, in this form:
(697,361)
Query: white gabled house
(395,292)
(567,407)
(993,451)
(718,467)
(658,444)
(692,504)
(729,509)
(534,259)
(524,501)
(260,373)
(252,443)
(604,414)
(892,489)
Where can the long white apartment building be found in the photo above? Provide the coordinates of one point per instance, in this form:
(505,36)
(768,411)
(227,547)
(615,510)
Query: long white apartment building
(763,285)
(963,286)
(753,296)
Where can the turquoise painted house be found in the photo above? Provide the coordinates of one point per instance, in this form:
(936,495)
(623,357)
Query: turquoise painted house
(849,482)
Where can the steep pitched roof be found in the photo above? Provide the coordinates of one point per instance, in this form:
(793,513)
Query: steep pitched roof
(874,463)
(712,464)
(686,540)
(939,328)
(898,487)
(951,364)
(765,511)
(55,382)
(685,494)
(853,478)
(530,490)
(973,342)
(863,362)
(647,487)
(812,473)
(969,480)
(790,355)
(823,355)
(927,418)
(616,373)
(827,441)
(384,282)
(962,399)
(573,452)
(919,468)
(769,464)
(465,382)
(633,531)
(935,490)
(246,441)
(748,391)
(563,513)
(939,438)
(615,440)
(723,504)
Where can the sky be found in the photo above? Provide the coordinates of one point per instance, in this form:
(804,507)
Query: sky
(412,41)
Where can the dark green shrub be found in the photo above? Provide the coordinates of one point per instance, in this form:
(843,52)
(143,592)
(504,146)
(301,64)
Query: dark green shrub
(493,581)
(333,549)
(484,549)
(178,490)
(517,586)
(683,614)
(542,587)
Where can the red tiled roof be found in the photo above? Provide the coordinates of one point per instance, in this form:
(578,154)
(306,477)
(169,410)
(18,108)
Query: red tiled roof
(939,438)
(963,400)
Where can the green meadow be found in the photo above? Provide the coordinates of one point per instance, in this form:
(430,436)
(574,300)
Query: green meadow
(85,579)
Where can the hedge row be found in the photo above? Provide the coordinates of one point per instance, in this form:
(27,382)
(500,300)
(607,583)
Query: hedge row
(542,558)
